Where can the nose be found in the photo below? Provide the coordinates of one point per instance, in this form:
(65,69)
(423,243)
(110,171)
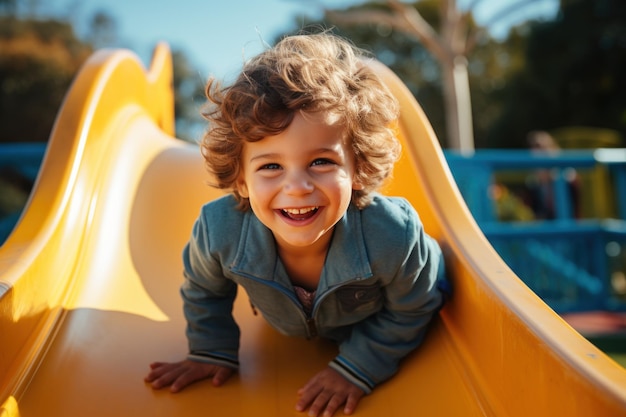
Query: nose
(298,183)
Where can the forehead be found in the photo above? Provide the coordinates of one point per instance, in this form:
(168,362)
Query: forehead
(305,132)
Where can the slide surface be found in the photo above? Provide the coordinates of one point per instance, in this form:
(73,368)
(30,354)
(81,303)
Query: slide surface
(89,283)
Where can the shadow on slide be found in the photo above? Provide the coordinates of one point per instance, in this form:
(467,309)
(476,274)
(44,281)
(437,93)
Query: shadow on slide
(89,283)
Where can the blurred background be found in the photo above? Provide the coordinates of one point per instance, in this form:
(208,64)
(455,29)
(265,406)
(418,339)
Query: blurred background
(531,64)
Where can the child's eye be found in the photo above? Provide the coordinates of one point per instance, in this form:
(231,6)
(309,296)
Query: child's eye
(322,161)
(269,166)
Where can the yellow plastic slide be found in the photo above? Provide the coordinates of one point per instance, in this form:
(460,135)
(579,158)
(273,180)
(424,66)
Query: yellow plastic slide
(89,283)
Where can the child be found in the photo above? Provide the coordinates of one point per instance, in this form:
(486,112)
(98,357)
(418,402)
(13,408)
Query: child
(302,139)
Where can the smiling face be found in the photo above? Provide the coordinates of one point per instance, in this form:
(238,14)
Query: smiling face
(300,181)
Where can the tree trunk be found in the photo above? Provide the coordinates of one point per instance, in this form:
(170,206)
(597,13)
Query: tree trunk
(464,105)
(458,106)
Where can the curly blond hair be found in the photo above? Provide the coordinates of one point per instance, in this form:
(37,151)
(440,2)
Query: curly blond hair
(310,73)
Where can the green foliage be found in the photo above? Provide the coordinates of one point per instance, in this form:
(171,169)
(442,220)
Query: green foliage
(543,76)
(574,74)
(490,64)
(13,194)
(406,57)
(189,97)
(38,60)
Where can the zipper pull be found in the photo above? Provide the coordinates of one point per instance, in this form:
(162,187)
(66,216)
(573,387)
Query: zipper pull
(312,328)
(256,313)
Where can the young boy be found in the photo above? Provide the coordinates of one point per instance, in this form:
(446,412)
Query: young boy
(302,139)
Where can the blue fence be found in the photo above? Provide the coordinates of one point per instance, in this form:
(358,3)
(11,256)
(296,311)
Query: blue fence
(19,165)
(574,261)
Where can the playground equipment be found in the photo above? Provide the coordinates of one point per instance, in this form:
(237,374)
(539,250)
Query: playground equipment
(574,264)
(90,275)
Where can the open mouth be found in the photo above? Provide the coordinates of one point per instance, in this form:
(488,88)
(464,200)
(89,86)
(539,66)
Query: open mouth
(299,213)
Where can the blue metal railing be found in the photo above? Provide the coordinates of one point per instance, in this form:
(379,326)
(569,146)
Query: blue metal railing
(564,259)
(566,264)
(25,158)
(19,162)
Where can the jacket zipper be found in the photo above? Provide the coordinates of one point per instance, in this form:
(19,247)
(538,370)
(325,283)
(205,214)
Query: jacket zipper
(311,325)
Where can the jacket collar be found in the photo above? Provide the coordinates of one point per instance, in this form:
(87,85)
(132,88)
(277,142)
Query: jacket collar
(346,259)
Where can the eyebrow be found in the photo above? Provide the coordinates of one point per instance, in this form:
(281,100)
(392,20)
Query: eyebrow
(265,156)
(278,155)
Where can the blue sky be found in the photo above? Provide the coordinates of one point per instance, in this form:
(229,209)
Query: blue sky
(218,35)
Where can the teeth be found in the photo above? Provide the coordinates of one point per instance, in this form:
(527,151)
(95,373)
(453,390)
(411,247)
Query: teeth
(299,210)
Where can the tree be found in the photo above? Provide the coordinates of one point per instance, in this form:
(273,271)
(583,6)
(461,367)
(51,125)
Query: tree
(399,51)
(39,57)
(450,45)
(574,73)
(38,60)
(489,65)
(448,48)
(189,97)
(8,7)
(102,30)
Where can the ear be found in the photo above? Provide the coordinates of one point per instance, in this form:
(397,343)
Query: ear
(242,188)
(357,186)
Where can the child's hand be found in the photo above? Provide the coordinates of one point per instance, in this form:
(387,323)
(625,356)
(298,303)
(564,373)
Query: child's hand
(327,391)
(178,375)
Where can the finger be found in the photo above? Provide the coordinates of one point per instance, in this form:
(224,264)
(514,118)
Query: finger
(352,402)
(320,403)
(157,369)
(221,376)
(150,377)
(333,405)
(189,375)
(161,382)
(307,394)
(186,378)
(155,365)
(311,385)
(167,374)
(156,378)
(167,377)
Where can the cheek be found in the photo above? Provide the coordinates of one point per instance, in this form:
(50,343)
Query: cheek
(347,179)
(343,187)
(260,189)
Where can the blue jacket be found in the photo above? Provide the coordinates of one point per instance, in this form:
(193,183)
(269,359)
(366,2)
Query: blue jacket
(376,295)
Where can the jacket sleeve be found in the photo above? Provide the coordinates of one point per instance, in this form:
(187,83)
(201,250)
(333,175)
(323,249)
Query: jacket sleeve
(208,297)
(376,345)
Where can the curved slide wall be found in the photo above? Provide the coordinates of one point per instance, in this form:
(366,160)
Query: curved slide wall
(89,283)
